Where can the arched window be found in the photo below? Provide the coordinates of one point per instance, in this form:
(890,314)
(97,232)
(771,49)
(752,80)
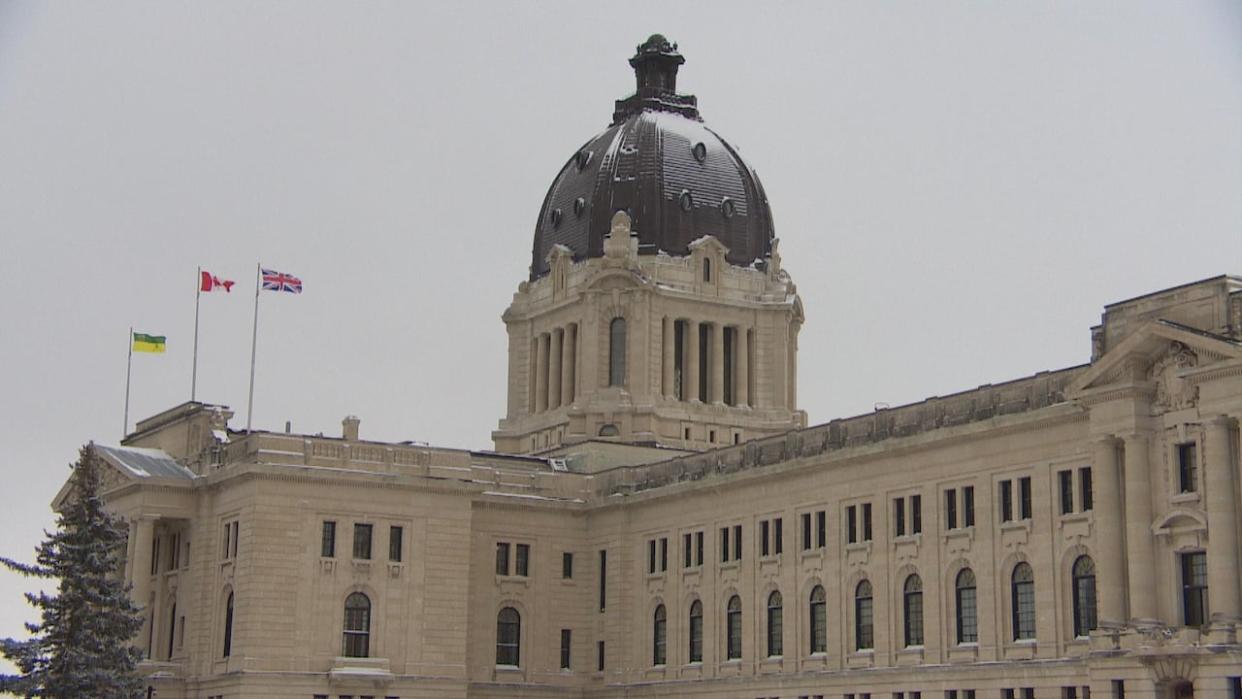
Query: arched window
(1023,602)
(659,640)
(616,352)
(696,632)
(967,608)
(819,621)
(707,269)
(228,626)
(864,622)
(1084,596)
(912,608)
(357,641)
(508,637)
(733,642)
(776,625)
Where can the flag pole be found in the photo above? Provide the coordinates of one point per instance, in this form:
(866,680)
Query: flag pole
(198,293)
(254,343)
(129,364)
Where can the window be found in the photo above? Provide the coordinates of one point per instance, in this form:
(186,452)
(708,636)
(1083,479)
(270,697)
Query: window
(603,579)
(733,640)
(566,644)
(968,508)
(659,640)
(155,550)
(770,535)
(362,542)
(1084,596)
(567,565)
(916,514)
(229,550)
(950,508)
(616,352)
(821,529)
(395,535)
(509,637)
(1006,505)
(1119,690)
(1235,687)
(764,550)
(174,552)
(1065,480)
(707,269)
(724,544)
(357,637)
(1023,600)
(698,548)
(522,560)
(778,546)
(599,656)
(1187,468)
(502,558)
(967,611)
(851,524)
(806,531)
(663,553)
(1084,485)
(864,630)
(866,521)
(228,626)
(1194,589)
(1024,497)
(899,516)
(912,607)
(819,620)
(737,542)
(776,625)
(696,631)
(687,551)
(327,544)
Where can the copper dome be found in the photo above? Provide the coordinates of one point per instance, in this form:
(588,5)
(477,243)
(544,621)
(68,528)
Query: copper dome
(676,178)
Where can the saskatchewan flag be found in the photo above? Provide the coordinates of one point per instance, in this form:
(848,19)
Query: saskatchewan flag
(148,343)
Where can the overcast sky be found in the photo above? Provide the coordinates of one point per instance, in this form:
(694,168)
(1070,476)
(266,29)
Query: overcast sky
(958,187)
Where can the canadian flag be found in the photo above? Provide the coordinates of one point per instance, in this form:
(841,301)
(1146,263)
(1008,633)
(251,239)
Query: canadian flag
(210,282)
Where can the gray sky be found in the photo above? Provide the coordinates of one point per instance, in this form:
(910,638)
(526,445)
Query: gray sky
(958,187)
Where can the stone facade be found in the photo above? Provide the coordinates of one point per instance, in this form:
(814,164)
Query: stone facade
(1131,461)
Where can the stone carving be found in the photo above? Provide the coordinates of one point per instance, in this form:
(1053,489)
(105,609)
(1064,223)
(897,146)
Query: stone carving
(1172,391)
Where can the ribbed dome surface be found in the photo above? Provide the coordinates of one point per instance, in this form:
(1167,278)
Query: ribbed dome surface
(676,178)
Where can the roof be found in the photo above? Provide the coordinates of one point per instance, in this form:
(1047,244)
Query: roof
(145,463)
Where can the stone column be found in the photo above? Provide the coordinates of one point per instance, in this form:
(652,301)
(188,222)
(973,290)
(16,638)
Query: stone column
(1110,578)
(143,529)
(1222,512)
(670,344)
(569,357)
(691,379)
(541,374)
(741,368)
(532,376)
(718,367)
(1140,549)
(555,342)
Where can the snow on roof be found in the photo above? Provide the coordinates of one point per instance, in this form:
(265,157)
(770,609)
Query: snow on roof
(145,463)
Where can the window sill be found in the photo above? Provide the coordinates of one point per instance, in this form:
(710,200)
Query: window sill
(1183,498)
(861,658)
(964,653)
(512,580)
(859,546)
(1016,525)
(908,538)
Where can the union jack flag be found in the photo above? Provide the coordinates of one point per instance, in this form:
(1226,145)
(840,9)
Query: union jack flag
(279,281)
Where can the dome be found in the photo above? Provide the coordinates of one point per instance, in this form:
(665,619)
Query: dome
(677,179)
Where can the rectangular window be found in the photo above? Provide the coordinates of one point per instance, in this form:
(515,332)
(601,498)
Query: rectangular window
(236,537)
(1069,693)
(1084,485)
(737,542)
(603,579)
(566,642)
(1187,468)
(1028,693)
(1235,687)
(851,524)
(362,542)
(1024,497)
(866,521)
(950,509)
(502,558)
(1008,694)
(599,656)
(567,565)
(1006,503)
(522,560)
(968,694)
(968,512)
(806,531)
(821,529)
(763,538)
(950,694)
(327,542)
(916,514)
(395,535)
(687,551)
(724,544)
(1194,589)
(1065,483)
(651,556)
(698,548)
(778,531)
(899,516)
(663,553)
(1119,690)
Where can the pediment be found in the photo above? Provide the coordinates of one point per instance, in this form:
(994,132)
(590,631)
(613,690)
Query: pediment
(612,278)
(1180,519)
(1156,356)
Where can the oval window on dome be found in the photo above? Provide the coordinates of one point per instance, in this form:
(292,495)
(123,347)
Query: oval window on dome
(727,207)
(700,151)
(686,200)
(579,206)
(554,217)
(583,158)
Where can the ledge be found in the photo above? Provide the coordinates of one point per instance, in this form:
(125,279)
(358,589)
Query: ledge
(964,653)
(373,671)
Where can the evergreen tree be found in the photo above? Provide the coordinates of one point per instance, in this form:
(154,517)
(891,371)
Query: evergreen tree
(83,646)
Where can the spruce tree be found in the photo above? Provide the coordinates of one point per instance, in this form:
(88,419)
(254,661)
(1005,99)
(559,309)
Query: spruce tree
(83,645)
